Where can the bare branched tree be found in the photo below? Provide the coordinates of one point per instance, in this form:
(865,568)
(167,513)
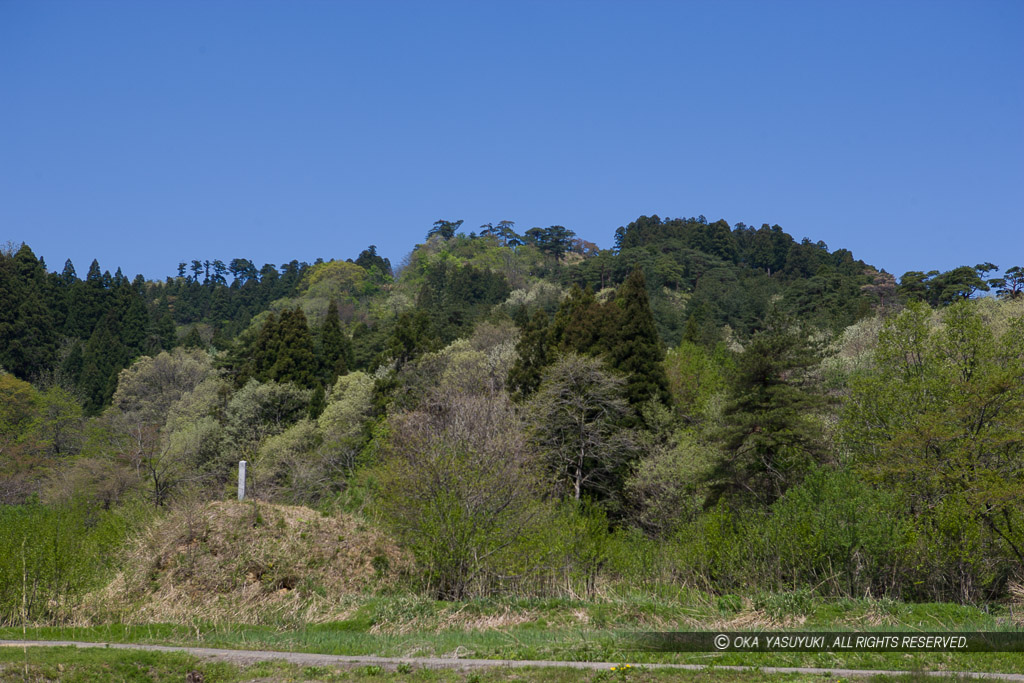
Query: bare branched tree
(576,421)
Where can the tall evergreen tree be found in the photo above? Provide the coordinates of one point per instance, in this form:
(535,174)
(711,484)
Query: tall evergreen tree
(68,275)
(161,335)
(770,437)
(26,324)
(263,350)
(580,323)
(371,260)
(317,402)
(335,346)
(104,356)
(86,303)
(411,336)
(72,365)
(295,361)
(445,229)
(133,316)
(193,340)
(635,347)
(534,352)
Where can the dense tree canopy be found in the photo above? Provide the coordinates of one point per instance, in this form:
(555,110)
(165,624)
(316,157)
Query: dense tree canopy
(512,405)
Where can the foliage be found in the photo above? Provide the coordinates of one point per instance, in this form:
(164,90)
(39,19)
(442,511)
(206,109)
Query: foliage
(939,418)
(695,377)
(718,464)
(1011,285)
(575,423)
(332,279)
(410,337)
(37,430)
(835,530)
(769,436)
(721,550)
(378,267)
(152,384)
(257,412)
(334,346)
(27,327)
(455,296)
(668,488)
(938,289)
(51,555)
(635,348)
(343,422)
(533,353)
(460,489)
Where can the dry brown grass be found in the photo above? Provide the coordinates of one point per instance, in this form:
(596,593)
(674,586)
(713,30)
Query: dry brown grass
(1017,603)
(453,618)
(249,563)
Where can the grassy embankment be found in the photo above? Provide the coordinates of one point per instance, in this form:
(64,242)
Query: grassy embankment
(287,578)
(570,630)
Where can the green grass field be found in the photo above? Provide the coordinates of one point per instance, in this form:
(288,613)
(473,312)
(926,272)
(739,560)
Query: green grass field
(568,630)
(71,665)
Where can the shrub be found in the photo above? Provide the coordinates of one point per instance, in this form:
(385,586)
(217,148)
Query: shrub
(460,489)
(51,555)
(836,532)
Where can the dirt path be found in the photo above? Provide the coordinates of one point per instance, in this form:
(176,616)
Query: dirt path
(309,659)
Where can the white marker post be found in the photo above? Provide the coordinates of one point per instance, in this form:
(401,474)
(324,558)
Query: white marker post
(241,479)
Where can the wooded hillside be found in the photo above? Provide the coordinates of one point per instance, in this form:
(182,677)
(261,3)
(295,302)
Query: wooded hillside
(708,405)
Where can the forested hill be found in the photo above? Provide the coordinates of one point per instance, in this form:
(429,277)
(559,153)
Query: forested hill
(706,282)
(523,412)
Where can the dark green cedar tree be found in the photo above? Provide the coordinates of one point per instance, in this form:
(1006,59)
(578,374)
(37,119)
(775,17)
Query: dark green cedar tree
(334,346)
(534,352)
(581,323)
(295,360)
(635,348)
(26,325)
(193,340)
(104,356)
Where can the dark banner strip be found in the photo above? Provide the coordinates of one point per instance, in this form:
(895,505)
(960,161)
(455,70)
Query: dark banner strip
(821,641)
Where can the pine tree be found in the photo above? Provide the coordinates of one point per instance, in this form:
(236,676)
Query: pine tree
(769,437)
(55,295)
(86,303)
(317,402)
(262,353)
(68,275)
(72,365)
(411,336)
(133,316)
(162,334)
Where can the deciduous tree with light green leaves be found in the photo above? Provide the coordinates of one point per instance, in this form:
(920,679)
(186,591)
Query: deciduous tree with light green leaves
(940,417)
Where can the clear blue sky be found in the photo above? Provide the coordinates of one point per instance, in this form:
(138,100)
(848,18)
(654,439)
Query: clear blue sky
(148,133)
